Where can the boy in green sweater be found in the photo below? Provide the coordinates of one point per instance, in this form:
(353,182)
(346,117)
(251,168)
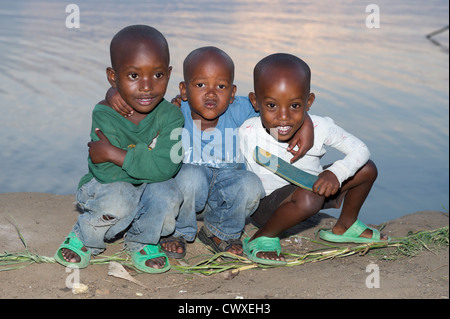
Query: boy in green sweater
(129,186)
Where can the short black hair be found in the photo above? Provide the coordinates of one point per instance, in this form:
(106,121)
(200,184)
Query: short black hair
(282,60)
(204,50)
(133,34)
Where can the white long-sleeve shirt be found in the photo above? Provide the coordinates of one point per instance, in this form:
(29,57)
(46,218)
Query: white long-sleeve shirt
(326,132)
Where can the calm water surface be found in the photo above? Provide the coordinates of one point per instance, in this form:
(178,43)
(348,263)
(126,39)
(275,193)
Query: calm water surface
(387,85)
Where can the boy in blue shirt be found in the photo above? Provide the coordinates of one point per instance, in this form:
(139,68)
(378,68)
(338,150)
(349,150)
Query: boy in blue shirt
(213,179)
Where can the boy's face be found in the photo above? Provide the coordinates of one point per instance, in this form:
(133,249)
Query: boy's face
(141,76)
(209,89)
(282,98)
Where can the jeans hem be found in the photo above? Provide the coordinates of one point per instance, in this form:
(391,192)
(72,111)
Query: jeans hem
(187,237)
(222,236)
(93,250)
(133,246)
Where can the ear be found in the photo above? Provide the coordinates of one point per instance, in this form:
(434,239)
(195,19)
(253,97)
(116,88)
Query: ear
(183,94)
(252,98)
(111,76)
(233,92)
(310,101)
(169,72)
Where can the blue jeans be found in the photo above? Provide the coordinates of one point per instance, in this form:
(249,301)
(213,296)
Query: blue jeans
(225,196)
(145,212)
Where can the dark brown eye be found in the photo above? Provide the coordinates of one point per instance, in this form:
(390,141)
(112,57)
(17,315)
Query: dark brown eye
(133,76)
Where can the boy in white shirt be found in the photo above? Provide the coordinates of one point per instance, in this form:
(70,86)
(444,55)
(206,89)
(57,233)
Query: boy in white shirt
(282,96)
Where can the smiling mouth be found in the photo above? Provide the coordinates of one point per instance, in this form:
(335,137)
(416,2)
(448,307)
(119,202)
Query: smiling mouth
(283,130)
(145,101)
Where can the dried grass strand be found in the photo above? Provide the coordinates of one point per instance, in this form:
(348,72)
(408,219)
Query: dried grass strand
(409,246)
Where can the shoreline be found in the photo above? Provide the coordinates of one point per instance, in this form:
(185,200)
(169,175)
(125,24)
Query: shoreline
(45,219)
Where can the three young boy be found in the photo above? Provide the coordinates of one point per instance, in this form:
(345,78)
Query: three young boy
(211,179)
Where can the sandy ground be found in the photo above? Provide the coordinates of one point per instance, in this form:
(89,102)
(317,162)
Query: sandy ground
(45,219)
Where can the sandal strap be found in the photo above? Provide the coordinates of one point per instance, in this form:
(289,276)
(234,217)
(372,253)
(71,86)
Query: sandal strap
(152,251)
(73,243)
(358,228)
(172,239)
(226,244)
(264,244)
(223,246)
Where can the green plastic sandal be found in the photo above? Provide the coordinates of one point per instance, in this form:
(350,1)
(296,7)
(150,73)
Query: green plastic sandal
(262,244)
(74,244)
(352,234)
(152,251)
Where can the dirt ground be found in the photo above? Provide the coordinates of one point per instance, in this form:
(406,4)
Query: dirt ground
(45,219)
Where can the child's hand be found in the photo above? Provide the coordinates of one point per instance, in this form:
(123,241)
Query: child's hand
(117,103)
(303,138)
(177,100)
(303,147)
(327,184)
(99,150)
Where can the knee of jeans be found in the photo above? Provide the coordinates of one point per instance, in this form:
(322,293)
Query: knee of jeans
(102,220)
(190,171)
(252,186)
(115,199)
(191,182)
(107,214)
(175,193)
(168,225)
(177,199)
(173,201)
(166,192)
(108,219)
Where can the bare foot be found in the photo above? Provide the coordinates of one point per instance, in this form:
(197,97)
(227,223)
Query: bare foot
(368,234)
(156,263)
(271,255)
(173,246)
(234,248)
(71,256)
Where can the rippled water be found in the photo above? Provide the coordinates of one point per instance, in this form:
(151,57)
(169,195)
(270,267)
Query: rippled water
(387,85)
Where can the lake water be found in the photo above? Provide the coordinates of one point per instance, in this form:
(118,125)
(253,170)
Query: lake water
(387,85)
